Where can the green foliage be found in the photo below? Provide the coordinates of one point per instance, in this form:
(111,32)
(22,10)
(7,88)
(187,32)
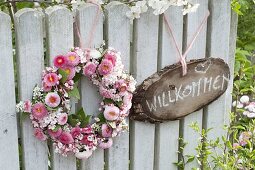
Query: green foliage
(64,75)
(79,118)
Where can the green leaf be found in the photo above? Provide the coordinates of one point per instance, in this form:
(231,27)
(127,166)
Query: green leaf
(81,113)
(77,77)
(24,115)
(85,121)
(190,158)
(108,101)
(74,93)
(72,120)
(56,128)
(64,75)
(101,117)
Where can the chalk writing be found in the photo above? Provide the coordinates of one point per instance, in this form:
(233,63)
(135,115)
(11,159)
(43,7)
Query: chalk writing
(192,90)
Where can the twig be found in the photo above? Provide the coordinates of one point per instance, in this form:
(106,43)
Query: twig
(10,10)
(14,1)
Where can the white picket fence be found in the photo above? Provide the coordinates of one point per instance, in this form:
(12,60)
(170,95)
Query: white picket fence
(146,48)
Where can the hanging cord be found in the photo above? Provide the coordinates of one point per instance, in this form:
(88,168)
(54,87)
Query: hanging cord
(93,28)
(189,47)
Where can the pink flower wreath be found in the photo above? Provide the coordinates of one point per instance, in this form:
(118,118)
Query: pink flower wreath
(49,109)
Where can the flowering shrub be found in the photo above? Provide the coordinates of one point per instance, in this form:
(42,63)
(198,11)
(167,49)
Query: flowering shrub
(50,109)
(136,7)
(159,7)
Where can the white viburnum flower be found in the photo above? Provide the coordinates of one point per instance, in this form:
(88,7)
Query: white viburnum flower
(134,12)
(244,99)
(142,5)
(190,8)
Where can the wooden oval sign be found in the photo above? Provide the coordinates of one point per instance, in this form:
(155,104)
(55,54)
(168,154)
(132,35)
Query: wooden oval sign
(167,95)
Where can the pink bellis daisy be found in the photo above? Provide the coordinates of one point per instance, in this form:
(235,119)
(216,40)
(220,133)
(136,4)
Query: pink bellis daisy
(39,111)
(106,131)
(66,138)
(52,100)
(62,119)
(54,134)
(73,59)
(111,57)
(50,79)
(60,61)
(89,69)
(105,67)
(39,134)
(107,143)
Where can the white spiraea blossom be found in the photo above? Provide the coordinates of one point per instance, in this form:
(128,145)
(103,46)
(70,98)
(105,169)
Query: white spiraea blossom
(159,7)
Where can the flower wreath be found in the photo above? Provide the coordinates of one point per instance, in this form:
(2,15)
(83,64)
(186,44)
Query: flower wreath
(49,109)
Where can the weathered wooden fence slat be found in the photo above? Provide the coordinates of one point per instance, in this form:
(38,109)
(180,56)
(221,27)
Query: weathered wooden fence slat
(167,134)
(29,44)
(59,36)
(90,99)
(145,52)
(8,121)
(198,50)
(117,35)
(218,46)
(145,46)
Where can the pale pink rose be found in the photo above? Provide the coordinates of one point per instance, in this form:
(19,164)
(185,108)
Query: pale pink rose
(127,100)
(38,133)
(105,93)
(55,134)
(73,59)
(111,57)
(106,144)
(27,106)
(70,71)
(111,112)
(76,131)
(60,61)
(121,86)
(106,131)
(50,79)
(62,119)
(52,99)
(89,69)
(84,154)
(46,88)
(39,111)
(66,138)
(105,67)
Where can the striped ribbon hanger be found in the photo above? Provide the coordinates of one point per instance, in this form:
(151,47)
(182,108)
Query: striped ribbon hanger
(182,57)
(92,30)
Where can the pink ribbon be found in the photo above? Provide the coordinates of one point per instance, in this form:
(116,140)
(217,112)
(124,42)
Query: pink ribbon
(182,59)
(93,28)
